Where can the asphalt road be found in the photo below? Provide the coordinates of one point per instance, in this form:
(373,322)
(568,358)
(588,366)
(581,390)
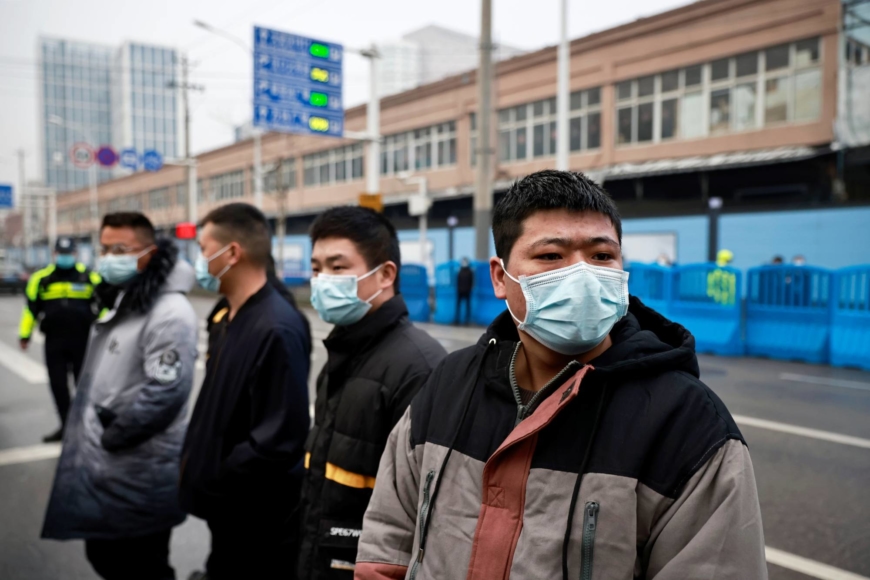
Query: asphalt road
(807,428)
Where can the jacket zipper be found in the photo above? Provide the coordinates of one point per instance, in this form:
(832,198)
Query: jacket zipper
(424,514)
(524,411)
(590,524)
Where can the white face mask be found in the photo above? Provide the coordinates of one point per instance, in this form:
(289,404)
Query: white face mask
(335,298)
(572,310)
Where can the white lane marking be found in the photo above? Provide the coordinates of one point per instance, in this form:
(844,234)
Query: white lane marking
(22,365)
(824,381)
(28,454)
(808,567)
(803,431)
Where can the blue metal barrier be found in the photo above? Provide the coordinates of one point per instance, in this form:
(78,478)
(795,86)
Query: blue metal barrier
(652,284)
(850,318)
(484,305)
(788,313)
(414,284)
(445,292)
(706,300)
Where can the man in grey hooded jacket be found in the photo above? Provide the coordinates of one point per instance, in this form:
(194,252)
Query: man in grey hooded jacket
(116,484)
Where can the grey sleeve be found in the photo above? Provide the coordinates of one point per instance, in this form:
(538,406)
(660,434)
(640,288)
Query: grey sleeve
(168,358)
(391,517)
(715,524)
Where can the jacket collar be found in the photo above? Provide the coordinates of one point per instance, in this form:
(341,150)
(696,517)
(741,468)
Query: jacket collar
(360,335)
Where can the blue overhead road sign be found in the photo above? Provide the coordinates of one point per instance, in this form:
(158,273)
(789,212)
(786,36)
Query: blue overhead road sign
(152,160)
(6,197)
(297,84)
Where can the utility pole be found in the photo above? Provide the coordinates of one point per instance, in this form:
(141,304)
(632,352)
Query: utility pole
(373,124)
(483,191)
(25,204)
(562,93)
(281,220)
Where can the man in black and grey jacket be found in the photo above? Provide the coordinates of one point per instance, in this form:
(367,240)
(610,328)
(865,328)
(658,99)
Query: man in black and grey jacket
(377,361)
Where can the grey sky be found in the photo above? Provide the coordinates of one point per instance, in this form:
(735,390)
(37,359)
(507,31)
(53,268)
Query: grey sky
(225,69)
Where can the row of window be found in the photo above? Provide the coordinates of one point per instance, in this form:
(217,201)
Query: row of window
(420,149)
(333,166)
(752,90)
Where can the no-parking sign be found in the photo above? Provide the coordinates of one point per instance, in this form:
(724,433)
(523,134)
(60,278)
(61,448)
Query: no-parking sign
(82,155)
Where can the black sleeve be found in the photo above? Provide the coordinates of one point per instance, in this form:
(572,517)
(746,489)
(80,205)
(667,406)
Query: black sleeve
(401,397)
(278,389)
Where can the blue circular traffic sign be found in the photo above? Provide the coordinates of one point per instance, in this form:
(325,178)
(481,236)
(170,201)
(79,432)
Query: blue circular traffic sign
(152,160)
(106,156)
(129,159)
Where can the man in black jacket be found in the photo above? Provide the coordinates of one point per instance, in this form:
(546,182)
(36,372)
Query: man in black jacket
(241,467)
(464,285)
(377,361)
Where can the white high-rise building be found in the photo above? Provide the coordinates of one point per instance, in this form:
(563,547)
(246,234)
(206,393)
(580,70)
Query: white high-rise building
(430,54)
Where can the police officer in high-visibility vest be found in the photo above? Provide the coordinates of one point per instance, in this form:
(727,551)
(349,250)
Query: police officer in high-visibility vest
(60,298)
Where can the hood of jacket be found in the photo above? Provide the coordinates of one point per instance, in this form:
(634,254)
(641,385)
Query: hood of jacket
(164,273)
(644,343)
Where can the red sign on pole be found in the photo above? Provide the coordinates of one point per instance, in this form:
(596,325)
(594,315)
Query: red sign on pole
(82,155)
(185,231)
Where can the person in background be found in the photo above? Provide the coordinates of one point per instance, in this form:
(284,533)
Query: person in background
(799,260)
(576,439)
(464,286)
(376,362)
(777,261)
(721,283)
(242,462)
(60,297)
(116,484)
(664,261)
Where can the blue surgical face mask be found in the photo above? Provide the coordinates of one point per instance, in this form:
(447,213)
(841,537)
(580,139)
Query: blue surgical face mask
(117,270)
(335,298)
(572,310)
(65,261)
(203,277)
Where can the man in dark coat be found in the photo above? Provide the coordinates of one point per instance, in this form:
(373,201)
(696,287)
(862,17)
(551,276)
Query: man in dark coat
(116,484)
(242,462)
(377,361)
(464,286)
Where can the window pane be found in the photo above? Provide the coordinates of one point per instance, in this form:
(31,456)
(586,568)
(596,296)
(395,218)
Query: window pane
(553,137)
(670,128)
(747,64)
(693,76)
(624,123)
(776,100)
(451,154)
(576,100)
(646,86)
(808,95)
(593,96)
(324,174)
(744,106)
(357,170)
(520,113)
(776,57)
(623,90)
(473,121)
(719,69)
(538,146)
(645,122)
(504,146)
(593,131)
(720,110)
(473,151)
(504,116)
(576,127)
(340,170)
(807,52)
(538,109)
(551,106)
(670,81)
(521,143)
(385,163)
(692,115)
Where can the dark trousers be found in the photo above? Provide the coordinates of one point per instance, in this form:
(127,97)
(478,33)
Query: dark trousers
(243,549)
(460,298)
(61,357)
(141,558)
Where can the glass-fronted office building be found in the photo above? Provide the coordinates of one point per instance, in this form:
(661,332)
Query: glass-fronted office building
(104,95)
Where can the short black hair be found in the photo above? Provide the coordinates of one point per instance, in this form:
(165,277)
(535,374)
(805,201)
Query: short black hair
(544,190)
(131,219)
(372,234)
(246,225)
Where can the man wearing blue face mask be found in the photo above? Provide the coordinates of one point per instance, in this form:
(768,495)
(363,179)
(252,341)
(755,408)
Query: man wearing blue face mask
(242,462)
(377,361)
(575,440)
(60,297)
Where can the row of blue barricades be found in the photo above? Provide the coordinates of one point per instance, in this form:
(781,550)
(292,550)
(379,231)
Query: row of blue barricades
(800,313)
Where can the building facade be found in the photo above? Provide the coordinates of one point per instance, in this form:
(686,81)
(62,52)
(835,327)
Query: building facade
(103,95)
(734,99)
